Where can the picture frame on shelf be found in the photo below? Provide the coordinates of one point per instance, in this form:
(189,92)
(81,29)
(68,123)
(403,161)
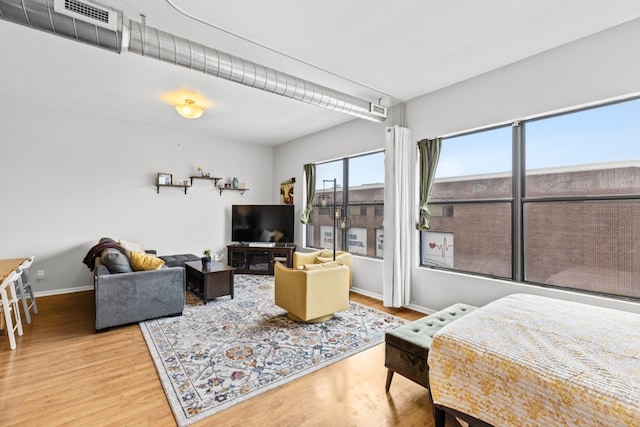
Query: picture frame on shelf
(165,179)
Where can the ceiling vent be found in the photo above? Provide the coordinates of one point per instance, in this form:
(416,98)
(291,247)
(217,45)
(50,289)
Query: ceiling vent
(378,110)
(88,12)
(99,25)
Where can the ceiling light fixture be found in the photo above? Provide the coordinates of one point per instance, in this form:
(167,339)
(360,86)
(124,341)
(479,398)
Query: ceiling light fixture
(189,110)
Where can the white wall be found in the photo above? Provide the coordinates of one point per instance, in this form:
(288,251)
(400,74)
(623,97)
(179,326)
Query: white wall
(67,179)
(589,70)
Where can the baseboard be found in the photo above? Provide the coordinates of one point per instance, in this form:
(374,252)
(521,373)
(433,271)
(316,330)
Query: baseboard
(379,297)
(63,291)
(366,293)
(356,290)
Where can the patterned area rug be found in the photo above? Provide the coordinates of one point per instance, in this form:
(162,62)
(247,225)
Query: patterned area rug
(220,354)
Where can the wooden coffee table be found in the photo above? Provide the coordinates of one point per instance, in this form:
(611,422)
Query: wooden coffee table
(209,283)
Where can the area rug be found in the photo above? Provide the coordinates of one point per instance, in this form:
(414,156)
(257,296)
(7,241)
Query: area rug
(220,354)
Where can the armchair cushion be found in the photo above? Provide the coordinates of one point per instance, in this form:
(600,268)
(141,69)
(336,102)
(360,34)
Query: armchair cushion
(324,255)
(319,266)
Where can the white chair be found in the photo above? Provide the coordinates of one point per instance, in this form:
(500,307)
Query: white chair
(9,304)
(24,290)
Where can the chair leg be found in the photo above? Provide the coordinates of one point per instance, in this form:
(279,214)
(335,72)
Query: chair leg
(25,306)
(7,320)
(26,286)
(19,286)
(16,311)
(33,300)
(389,378)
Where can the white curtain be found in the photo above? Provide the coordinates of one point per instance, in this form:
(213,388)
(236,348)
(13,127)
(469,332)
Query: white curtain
(396,290)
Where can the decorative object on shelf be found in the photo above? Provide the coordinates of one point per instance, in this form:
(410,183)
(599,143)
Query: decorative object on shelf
(200,171)
(286,192)
(165,179)
(206,259)
(236,183)
(189,109)
(213,178)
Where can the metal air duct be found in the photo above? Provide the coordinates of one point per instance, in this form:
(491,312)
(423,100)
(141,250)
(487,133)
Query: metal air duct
(109,29)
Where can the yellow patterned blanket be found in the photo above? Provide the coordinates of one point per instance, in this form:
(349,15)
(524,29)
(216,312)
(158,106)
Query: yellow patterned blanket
(526,360)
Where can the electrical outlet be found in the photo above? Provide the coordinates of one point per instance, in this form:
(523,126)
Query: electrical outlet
(40,275)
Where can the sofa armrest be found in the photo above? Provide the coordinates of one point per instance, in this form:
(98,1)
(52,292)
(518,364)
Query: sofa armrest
(302,258)
(327,290)
(141,295)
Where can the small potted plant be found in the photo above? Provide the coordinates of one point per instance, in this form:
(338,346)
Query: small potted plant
(206,259)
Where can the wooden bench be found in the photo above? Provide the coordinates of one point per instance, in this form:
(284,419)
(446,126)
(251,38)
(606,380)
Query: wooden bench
(407,346)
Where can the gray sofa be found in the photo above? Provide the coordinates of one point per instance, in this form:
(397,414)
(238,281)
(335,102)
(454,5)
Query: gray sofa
(123,298)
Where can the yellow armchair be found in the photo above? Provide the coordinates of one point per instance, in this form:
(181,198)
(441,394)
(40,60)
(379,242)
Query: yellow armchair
(312,295)
(324,255)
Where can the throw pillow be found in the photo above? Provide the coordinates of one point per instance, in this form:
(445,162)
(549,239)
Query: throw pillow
(133,247)
(326,253)
(115,261)
(330,264)
(323,259)
(140,262)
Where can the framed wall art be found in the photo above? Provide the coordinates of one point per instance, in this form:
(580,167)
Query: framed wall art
(165,179)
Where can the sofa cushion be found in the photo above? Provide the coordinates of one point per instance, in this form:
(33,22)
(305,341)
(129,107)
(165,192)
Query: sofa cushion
(178,260)
(142,262)
(115,261)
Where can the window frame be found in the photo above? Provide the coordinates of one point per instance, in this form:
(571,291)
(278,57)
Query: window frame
(519,200)
(345,204)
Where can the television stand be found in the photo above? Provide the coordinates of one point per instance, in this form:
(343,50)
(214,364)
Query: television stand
(262,244)
(250,259)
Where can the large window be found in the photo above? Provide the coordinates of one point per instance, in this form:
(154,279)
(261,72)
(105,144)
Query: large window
(358,212)
(573,218)
(470,206)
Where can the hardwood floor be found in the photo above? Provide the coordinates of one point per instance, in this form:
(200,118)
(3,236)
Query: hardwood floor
(64,373)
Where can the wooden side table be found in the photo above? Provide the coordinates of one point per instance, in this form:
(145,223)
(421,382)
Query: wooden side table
(210,283)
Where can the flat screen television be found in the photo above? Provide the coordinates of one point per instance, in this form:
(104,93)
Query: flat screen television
(262,223)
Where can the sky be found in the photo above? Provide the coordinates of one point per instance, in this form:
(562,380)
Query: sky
(603,134)
(597,135)
(365,169)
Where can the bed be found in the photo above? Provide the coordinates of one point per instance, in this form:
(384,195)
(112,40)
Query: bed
(525,360)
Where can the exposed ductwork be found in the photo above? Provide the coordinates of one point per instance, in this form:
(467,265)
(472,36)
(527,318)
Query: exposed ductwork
(109,29)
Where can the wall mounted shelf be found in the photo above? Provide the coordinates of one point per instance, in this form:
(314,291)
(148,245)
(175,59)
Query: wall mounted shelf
(172,186)
(210,178)
(186,185)
(241,190)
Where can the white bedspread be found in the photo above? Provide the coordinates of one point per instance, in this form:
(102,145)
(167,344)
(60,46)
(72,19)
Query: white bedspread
(525,360)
